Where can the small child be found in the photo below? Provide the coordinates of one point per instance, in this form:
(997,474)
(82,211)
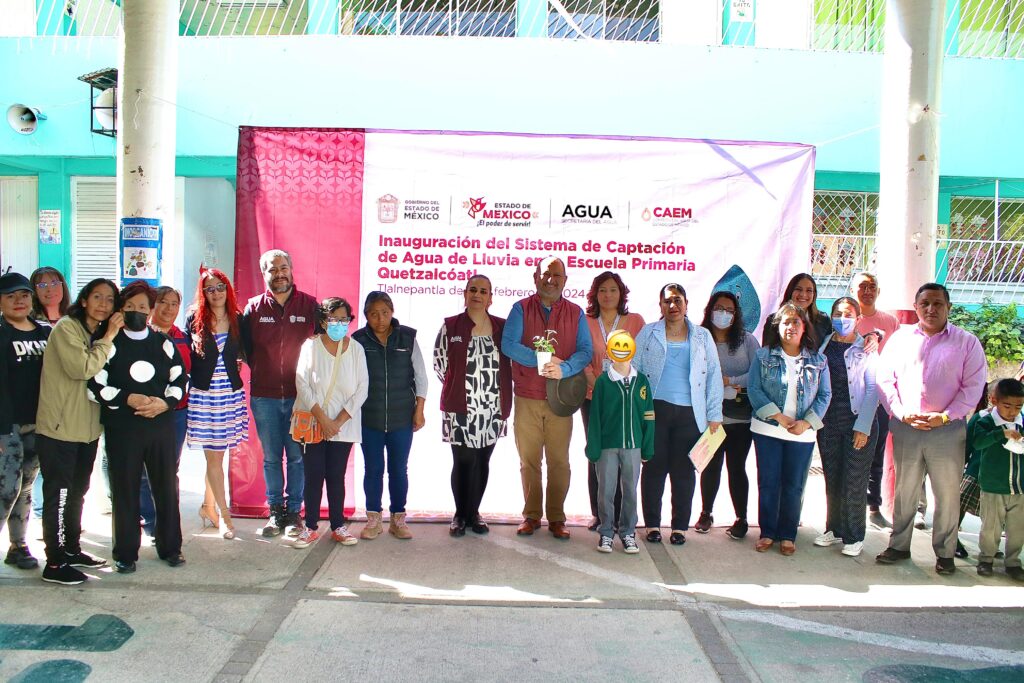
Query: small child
(996,438)
(970,492)
(619,436)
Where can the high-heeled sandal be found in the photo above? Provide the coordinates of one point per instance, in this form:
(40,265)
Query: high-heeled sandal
(226,528)
(206,516)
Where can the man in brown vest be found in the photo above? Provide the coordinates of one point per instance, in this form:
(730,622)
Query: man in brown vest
(538,430)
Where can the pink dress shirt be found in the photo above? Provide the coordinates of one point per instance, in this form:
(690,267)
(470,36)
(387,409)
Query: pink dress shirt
(943,373)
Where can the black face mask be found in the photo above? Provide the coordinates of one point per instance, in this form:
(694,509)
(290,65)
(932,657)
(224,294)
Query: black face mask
(135,321)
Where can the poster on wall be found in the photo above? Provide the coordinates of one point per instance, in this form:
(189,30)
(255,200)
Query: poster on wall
(741,11)
(141,249)
(49,226)
(416,214)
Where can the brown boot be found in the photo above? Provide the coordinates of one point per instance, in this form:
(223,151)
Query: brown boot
(373,527)
(398,528)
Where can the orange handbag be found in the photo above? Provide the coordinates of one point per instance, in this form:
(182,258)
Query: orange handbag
(304,428)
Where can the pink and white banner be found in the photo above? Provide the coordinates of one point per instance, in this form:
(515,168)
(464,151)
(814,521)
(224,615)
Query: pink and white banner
(438,207)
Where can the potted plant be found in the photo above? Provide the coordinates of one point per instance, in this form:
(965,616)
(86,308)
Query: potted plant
(544,345)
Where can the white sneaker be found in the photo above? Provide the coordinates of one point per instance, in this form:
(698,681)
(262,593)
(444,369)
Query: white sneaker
(853,549)
(826,539)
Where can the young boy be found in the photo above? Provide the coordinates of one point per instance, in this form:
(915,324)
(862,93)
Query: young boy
(619,436)
(996,437)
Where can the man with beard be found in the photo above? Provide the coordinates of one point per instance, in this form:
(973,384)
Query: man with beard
(274,326)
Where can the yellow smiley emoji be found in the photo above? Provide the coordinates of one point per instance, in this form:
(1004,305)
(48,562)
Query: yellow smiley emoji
(620,346)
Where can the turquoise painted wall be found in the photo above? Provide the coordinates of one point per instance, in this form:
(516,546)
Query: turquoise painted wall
(825,98)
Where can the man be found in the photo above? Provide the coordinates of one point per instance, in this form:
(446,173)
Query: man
(538,431)
(881,325)
(274,325)
(930,375)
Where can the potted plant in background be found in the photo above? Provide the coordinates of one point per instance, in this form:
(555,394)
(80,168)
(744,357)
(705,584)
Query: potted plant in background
(544,345)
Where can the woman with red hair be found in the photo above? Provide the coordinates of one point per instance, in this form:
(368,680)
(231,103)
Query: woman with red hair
(217,418)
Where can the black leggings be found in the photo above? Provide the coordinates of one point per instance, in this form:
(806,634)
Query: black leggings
(734,451)
(325,463)
(470,469)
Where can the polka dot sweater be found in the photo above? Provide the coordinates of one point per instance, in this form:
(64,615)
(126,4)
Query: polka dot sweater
(150,366)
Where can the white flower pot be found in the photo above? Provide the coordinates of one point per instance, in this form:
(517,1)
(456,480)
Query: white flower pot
(543,358)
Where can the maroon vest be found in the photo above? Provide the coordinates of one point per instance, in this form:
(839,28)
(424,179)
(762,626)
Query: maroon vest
(459,330)
(565,320)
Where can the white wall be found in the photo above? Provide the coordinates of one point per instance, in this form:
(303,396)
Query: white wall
(208,230)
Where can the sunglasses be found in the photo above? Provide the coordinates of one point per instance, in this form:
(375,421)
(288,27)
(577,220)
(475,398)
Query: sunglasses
(215,288)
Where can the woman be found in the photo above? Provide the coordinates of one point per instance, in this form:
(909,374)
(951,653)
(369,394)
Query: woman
(168,302)
(723,317)
(332,384)
(789,391)
(606,311)
(137,391)
(22,342)
(847,441)
(802,290)
(392,412)
(68,424)
(50,300)
(476,398)
(50,295)
(217,418)
(681,363)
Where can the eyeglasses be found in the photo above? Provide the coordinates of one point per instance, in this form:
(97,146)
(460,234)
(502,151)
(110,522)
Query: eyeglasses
(215,288)
(719,309)
(338,320)
(44,285)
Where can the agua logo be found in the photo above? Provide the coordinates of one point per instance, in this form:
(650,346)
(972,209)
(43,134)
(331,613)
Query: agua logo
(586,211)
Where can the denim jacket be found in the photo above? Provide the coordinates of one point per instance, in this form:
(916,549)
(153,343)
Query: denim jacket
(767,388)
(705,369)
(860,371)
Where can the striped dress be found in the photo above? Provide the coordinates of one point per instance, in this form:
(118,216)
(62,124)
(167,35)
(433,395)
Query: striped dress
(217,419)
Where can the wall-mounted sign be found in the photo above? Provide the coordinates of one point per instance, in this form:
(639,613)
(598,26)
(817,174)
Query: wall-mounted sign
(141,246)
(49,226)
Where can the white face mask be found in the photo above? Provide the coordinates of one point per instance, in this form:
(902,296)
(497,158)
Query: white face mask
(722,319)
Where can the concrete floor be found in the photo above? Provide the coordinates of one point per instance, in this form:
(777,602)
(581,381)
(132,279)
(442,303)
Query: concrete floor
(500,607)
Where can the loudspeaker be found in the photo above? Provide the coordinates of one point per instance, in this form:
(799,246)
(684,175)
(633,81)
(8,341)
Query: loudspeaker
(24,119)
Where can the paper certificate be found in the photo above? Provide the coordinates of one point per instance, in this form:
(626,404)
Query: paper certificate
(705,448)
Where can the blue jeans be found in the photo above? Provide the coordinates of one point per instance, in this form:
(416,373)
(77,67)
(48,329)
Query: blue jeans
(273,417)
(398,444)
(782,468)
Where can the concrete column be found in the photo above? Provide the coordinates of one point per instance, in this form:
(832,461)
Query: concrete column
(146,109)
(909,159)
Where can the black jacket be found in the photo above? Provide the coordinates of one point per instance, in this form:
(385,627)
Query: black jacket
(203,366)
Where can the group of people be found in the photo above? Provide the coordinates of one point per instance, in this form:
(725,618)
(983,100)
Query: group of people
(113,361)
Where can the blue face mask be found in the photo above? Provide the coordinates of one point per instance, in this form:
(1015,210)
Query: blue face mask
(337,331)
(844,326)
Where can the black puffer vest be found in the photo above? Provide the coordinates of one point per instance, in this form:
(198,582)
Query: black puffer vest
(392,397)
